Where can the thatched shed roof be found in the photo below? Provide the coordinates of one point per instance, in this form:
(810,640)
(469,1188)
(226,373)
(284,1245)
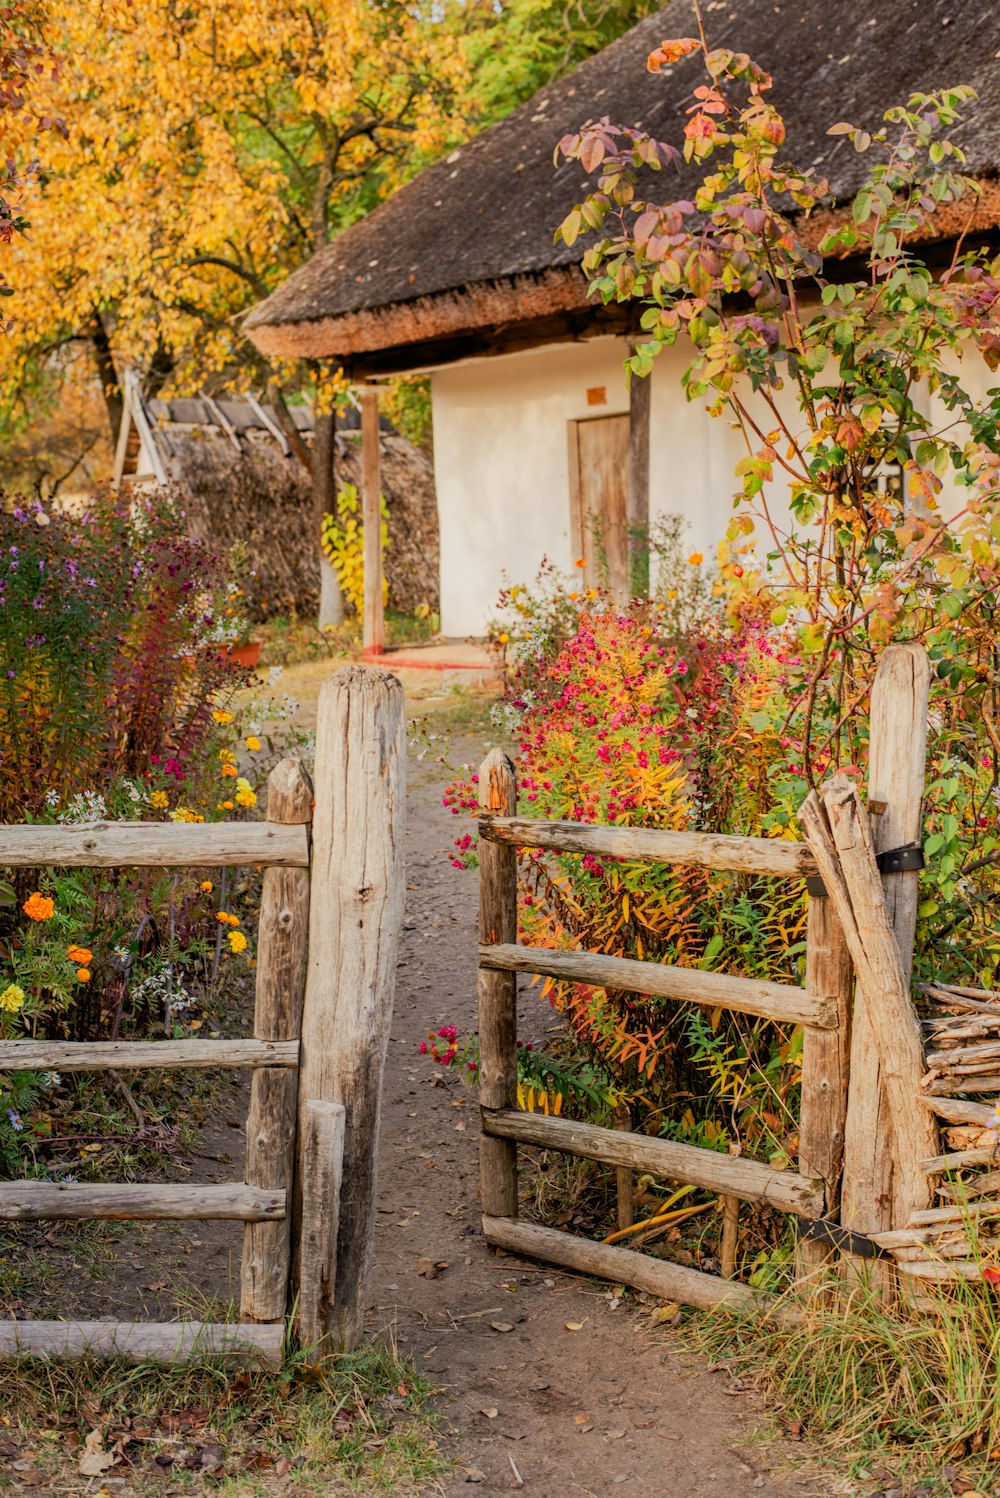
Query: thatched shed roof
(469,242)
(241,483)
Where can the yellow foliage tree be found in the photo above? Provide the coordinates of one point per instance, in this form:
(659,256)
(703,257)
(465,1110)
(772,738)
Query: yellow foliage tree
(211,149)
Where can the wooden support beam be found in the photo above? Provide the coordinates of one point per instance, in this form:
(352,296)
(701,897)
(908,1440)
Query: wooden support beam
(157,845)
(322,1179)
(282,938)
(355,917)
(696,850)
(38,1201)
(778,1001)
(497,991)
(637,500)
(665,1159)
(135,1055)
(143,1342)
(624,1266)
(371,511)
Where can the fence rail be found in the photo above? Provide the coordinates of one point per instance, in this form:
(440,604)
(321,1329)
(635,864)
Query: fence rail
(109,845)
(144,1055)
(663,1158)
(38,1201)
(697,850)
(778,1001)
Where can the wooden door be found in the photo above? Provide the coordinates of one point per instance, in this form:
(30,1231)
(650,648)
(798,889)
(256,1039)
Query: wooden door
(598,465)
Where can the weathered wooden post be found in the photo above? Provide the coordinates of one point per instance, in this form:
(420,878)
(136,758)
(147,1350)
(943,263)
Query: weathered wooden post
(322,1156)
(896,767)
(271,1125)
(637,502)
(825,1070)
(497,990)
(356,913)
(371,508)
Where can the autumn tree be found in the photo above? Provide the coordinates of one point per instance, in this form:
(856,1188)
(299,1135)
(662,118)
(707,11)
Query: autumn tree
(214,148)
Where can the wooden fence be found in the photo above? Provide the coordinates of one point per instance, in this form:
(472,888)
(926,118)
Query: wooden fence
(331,911)
(865,1133)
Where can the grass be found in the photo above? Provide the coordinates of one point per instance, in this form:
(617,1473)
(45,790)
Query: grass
(887,1395)
(358,1422)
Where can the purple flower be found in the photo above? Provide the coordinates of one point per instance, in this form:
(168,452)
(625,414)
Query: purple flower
(15,1120)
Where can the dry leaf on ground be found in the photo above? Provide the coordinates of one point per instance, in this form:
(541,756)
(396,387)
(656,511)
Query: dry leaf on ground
(93,1458)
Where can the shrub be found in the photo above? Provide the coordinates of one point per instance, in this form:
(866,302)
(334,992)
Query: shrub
(113,627)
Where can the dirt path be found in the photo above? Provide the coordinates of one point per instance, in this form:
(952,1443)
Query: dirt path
(566,1411)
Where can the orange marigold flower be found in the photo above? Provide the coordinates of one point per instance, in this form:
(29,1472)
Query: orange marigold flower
(228,769)
(227,805)
(206,886)
(82,955)
(253,743)
(39,907)
(83,973)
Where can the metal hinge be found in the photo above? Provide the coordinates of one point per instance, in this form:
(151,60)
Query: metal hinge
(822,1230)
(905,860)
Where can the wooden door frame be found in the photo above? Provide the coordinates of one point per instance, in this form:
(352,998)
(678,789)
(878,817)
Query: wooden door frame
(575,491)
(637,497)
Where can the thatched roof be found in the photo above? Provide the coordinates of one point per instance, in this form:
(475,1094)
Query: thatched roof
(241,483)
(469,242)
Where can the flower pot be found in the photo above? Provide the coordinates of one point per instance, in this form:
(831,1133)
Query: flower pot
(245,654)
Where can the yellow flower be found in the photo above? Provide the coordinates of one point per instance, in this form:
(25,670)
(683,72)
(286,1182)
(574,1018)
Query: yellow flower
(253,743)
(39,907)
(185,814)
(12,998)
(222,717)
(504,637)
(83,973)
(227,806)
(244,795)
(696,558)
(227,756)
(237,941)
(159,801)
(206,886)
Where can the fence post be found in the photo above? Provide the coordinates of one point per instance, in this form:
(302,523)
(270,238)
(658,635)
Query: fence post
(497,990)
(896,767)
(322,1156)
(825,1069)
(355,916)
(271,1124)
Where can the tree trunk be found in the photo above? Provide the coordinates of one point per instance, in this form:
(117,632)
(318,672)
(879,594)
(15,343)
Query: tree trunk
(114,400)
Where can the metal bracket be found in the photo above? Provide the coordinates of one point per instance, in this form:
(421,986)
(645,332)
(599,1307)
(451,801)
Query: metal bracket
(822,1230)
(907,859)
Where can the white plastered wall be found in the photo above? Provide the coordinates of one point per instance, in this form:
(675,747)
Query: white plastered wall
(501,465)
(502,473)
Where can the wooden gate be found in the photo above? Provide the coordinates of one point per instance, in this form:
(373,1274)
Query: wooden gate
(823,1006)
(321,1019)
